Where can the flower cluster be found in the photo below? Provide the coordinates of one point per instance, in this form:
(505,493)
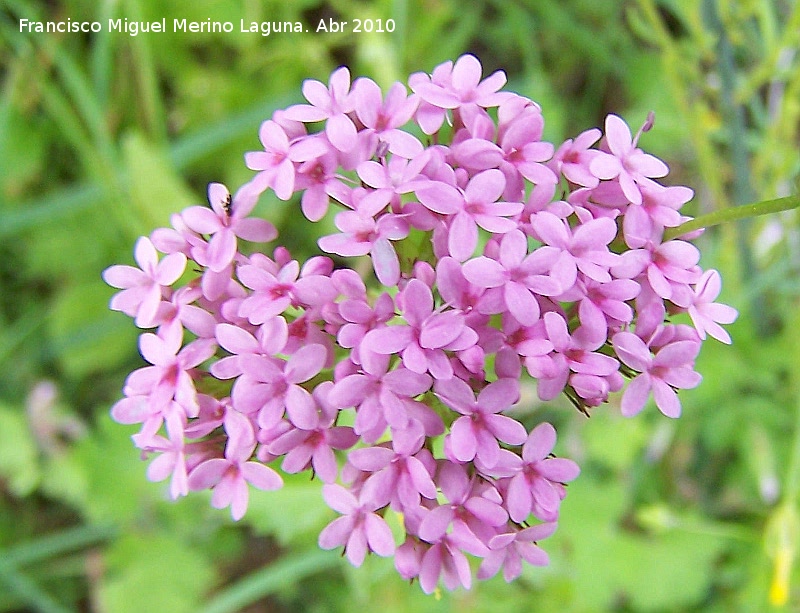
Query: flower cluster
(496,257)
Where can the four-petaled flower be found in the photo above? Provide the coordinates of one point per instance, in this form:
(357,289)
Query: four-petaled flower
(226,220)
(229,476)
(661,374)
(476,433)
(423,342)
(359,529)
(142,287)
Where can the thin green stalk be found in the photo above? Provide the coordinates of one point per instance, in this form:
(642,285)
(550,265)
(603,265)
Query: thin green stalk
(400,38)
(147,80)
(44,548)
(745,211)
(85,103)
(793,472)
(56,544)
(792,487)
(102,58)
(26,590)
(271,578)
(782,531)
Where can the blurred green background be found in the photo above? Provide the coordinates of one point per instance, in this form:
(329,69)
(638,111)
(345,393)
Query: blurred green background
(102,137)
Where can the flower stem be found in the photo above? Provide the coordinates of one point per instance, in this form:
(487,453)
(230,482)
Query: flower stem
(745,211)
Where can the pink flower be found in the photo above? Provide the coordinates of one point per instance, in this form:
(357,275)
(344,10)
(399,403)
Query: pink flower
(507,551)
(575,359)
(269,340)
(476,433)
(171,461)
(143,287)
(462,85)
(319,180)
(169,377)
(476,206)
(380,396)
(472,507)
(391,179)
(274,291)
(668,267)
(659,210)
(385,118)
(180,312)
(536,487)
(423,342)
(276,164)
(302,448)
(585,249)
(332,104)
(360,318)
(574,157)
(626,162)
(517,276)
(670,368)
(230,476)
(400,475)
(225,221)
(519,153)
(606,303)
(705,313)
(446,559)
(359,529)
(363,234)
(270,386)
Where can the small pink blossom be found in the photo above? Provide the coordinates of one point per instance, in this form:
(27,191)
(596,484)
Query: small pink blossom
(225,221)
(359,529)
(386,117)
(516,277)
(332,104)
(423,341)
(705,313)
(229,476)
(669,369)
(143,287)
(269,387)
(476,433)
(507,551)
(536,488)
(302,448)
(625,162)
(462,85)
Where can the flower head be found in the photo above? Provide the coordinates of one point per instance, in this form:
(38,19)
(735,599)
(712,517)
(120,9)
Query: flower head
(486,256)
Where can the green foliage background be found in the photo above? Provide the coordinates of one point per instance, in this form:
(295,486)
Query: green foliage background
(102,137)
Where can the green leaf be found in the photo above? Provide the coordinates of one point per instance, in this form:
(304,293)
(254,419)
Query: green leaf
(270,579)
(156,189)
(19,464)
(630,437)
(104,477)
(295,513)
(154,572)
(22,152)
(87,336)
(610,563)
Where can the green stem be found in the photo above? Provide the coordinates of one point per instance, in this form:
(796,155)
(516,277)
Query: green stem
(264,582)
(793,473)
(26,590)
(745,211)
(53,545)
